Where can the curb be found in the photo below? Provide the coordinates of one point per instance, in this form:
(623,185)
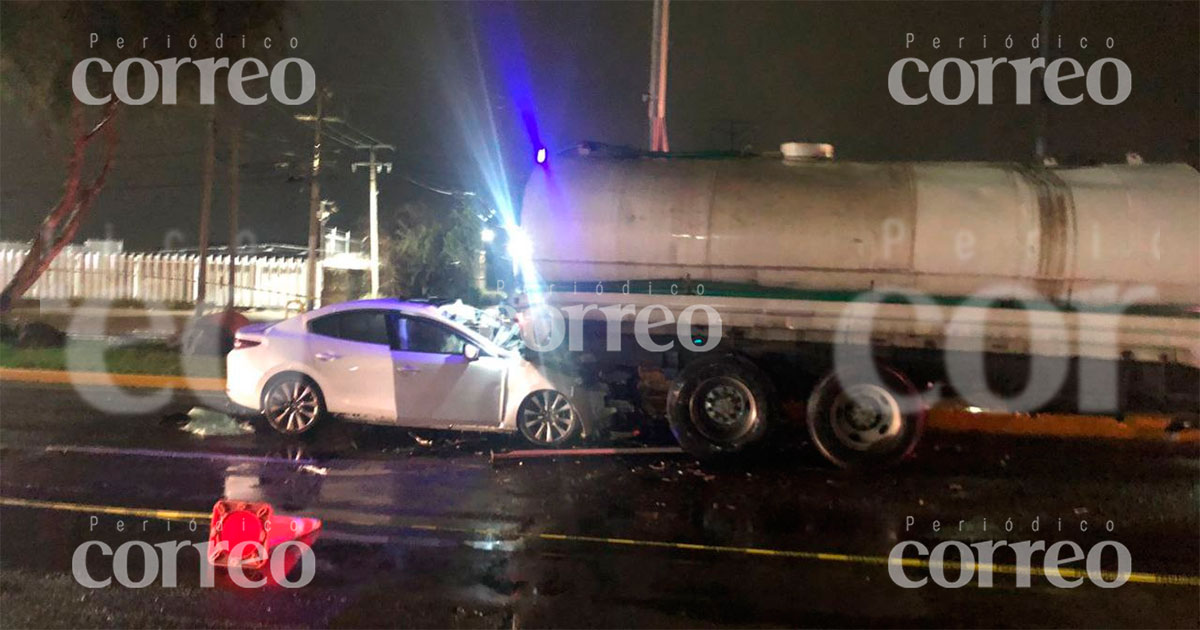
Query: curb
(155,381)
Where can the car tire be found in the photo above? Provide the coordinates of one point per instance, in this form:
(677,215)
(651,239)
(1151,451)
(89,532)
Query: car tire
(867,423)
(547,419)
(720,406)
(292,404)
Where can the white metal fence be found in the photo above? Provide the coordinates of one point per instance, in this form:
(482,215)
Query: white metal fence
(260,281)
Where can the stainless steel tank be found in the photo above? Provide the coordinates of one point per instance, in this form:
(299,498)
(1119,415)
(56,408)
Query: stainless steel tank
(1077,235)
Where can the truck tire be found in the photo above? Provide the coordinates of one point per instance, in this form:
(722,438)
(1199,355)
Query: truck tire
(720,406)
(865,424)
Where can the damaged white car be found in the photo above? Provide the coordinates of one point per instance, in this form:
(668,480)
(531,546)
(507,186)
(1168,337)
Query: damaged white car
(387,361)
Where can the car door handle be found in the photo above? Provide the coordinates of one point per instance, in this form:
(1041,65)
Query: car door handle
(327,356)
(407,369)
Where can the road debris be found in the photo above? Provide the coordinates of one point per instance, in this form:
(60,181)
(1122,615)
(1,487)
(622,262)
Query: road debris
(208,423)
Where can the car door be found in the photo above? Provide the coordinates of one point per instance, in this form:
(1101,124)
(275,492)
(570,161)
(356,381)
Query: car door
(350,353)
(436,385)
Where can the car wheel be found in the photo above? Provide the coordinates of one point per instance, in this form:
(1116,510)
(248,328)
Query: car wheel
(292,404)
(865,424)
(719,406)
(546,418)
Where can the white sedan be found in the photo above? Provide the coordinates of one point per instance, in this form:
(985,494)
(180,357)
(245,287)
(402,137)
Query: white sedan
(391,362)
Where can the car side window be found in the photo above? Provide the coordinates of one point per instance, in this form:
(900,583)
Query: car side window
(326,326)
(362,326)
(419,335)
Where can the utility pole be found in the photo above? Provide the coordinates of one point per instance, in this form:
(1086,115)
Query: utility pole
(1043,113)
(657,97)
(210,158)
(374,193)
(342,133)
(314,204)
(235,153)
(373,167)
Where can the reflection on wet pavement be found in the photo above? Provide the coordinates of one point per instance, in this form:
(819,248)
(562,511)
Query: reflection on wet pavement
(423,529)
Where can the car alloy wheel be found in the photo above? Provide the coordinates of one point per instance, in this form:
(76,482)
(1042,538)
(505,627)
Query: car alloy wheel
(546,418)
(292,405)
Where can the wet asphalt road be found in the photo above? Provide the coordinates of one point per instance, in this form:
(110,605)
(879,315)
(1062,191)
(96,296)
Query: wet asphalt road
(422,534)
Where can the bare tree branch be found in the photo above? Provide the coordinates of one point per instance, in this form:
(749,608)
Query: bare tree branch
(72,208)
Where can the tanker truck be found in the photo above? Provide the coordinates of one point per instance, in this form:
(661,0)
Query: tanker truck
(719,291)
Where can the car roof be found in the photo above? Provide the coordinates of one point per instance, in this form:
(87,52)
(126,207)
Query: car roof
(391,304)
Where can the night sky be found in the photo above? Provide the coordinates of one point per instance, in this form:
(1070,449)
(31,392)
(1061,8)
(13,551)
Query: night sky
(741,75)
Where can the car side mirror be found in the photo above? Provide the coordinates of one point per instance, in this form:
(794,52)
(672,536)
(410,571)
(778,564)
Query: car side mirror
(470,352)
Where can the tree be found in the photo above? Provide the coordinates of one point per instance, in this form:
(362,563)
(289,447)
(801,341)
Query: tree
(63,220)
(433,252)
(42,44)
(42,77)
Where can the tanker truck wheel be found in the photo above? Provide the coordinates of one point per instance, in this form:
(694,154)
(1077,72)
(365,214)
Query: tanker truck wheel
(720,406)
(867,423)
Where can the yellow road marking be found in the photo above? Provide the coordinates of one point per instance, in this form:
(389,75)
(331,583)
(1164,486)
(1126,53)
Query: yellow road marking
(166,515)
(1066,572)
(156,381)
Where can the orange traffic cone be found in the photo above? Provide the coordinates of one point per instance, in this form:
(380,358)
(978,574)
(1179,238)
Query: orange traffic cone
(243,533)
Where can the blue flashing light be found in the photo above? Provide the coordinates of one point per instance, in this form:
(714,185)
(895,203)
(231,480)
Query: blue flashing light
(541,155)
